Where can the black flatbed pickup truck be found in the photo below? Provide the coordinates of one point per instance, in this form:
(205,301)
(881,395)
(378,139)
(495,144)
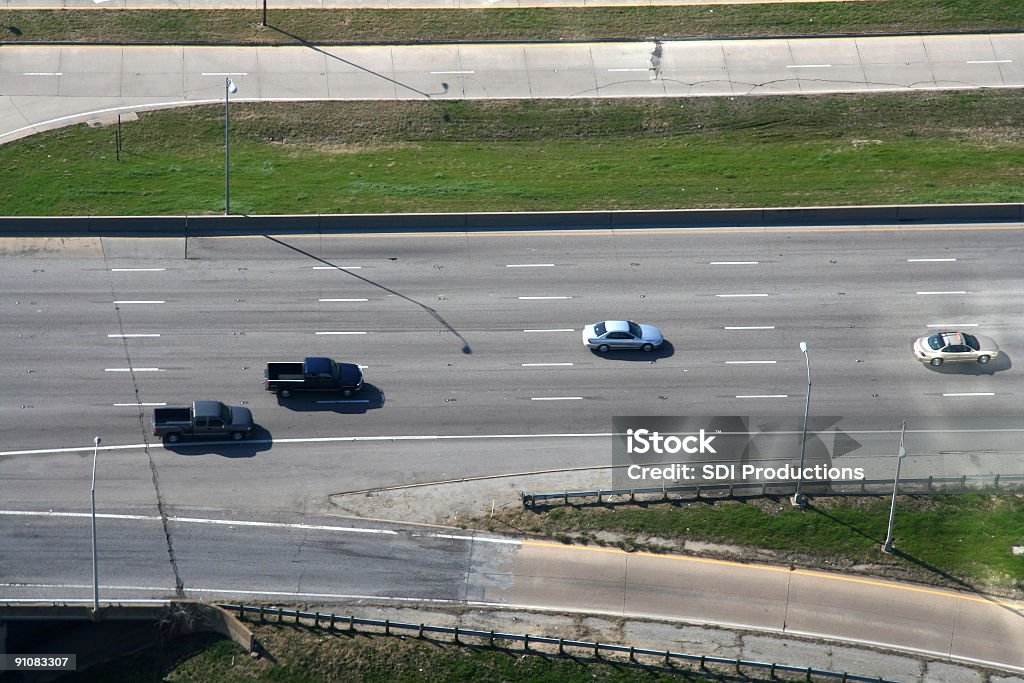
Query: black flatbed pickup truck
(313,374)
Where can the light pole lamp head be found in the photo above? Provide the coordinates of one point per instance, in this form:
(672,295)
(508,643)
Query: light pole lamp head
(902,453)
(230,84)
(96,441)
(803,347)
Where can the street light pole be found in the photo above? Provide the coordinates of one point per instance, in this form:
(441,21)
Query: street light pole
(264,12)
(798,498)
(229,88)
(95,572)
(887,547)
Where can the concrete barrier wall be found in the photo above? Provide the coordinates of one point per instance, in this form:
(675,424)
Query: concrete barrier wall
(197,226)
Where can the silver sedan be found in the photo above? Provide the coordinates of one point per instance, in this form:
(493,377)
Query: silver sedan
(621,334)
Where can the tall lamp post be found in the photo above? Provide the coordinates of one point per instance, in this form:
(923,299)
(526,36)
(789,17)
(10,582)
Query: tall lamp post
(798,498)
(887,547)
(95,572)
(229,89)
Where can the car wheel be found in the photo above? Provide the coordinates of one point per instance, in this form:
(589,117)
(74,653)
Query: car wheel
(647,348)
(603,348)
(936,362)
(983,359)
(237,436)
(284,393)
(173,438)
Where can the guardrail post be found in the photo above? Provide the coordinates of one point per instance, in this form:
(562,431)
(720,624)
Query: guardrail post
(387,628)
(330,627)
(771,671)
(561,646)
(351,623)
(456,635)
(929,482)
(632,653)
(565,500)
(419,634)
(632,495)
(845,675)
(241,611)
(296,616)
(597,650)
(963,483)
(491,641)
(664,491)
(730,490)
(599,495)
(764,488)
(996,482)
(697,494)
(808,679)
(668,659)
(316,619)
(280,614)
(261,613)
(702,662)
(526,641)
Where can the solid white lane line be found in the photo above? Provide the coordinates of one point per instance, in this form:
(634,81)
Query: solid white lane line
(529,265)
(808,66)
(337,267)
(972,393)
(135,270)
(542,365)
(559,398)
(957,291)
(953,326)
(561,329)
(132,370)
(542,298)
(930,260)
(132,336)
(763,396)
(43,73)
(136,405)
(352,400)
(989,61)
(734,263)
(327,300)
(752,327)
(734,296)
(135,301)
(341,333)
(751,362)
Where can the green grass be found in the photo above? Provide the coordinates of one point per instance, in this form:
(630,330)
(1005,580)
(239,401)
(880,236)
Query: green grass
(303,655)
(943,539)
(378,157)
(422,26)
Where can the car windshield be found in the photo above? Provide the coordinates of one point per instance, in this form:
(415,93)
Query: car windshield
(225,414)
(936,342)
(972,341)
(635,330)
(599,329)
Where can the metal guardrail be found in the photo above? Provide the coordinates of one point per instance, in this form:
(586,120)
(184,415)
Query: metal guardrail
(332,622)
(859,487)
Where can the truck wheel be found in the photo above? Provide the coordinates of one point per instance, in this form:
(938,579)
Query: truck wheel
(284,393)
(237,436)
(173,437)
(346,393)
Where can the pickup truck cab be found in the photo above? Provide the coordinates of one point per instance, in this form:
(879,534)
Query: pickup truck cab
(313,374)
(210,419)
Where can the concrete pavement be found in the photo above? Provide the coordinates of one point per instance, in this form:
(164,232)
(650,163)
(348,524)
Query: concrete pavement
(50,87)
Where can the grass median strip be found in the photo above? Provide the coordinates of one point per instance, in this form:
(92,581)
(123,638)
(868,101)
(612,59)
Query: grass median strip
(960,541)
(380,157)
(289,27)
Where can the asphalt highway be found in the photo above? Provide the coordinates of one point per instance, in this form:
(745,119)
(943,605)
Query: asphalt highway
(458,352)
(51,87)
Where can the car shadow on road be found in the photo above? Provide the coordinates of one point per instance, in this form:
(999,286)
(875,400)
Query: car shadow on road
(259,441)
(370,397)
(666,350)
(1000,363)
